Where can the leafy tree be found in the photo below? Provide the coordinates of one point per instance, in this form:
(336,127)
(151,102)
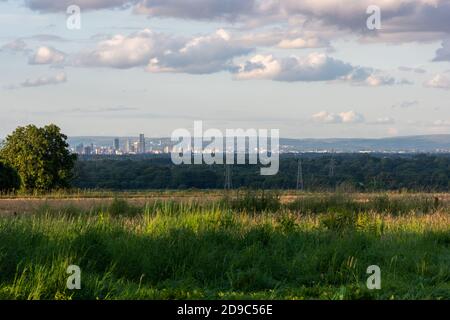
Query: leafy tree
(9,179)
(40,156)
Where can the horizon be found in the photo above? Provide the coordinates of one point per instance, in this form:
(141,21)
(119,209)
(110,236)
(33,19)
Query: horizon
(281,137)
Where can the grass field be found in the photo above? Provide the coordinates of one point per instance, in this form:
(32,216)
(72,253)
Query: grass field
(250,246)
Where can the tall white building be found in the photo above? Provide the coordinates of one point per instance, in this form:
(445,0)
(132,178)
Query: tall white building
(128,146)
(141,143)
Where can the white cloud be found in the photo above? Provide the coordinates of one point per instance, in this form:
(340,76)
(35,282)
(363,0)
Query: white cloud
(229,10)
(46,80)
(442,123)
(402,20)
(162,53)
(351,117)
(290,37)
(383,121)
(409,69)
(406,104)
(392,131)
(302,43)
(326,117)
(348,117)
(399,16)
(443,53)
(363,76)
(439,81)
(123,52)
(200,55)
(61,5)
(259,67)
(377,80)
(17,45)
(313,67)
(47,55)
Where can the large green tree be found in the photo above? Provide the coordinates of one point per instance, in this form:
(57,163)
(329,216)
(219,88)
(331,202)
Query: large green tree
(40,156)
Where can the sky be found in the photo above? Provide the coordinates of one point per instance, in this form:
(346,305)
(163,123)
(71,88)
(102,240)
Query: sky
(312,69)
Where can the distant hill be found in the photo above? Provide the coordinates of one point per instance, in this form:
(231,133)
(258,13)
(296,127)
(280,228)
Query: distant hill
(423,143)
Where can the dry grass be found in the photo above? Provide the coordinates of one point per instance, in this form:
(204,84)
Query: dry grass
(21,205)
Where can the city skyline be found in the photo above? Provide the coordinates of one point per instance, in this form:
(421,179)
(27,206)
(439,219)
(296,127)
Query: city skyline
(164,145)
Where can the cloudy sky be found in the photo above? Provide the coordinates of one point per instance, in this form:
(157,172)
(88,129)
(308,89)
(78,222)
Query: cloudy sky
(309,68)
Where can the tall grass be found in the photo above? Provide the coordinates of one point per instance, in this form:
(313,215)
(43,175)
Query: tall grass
(312,248)
(380,203)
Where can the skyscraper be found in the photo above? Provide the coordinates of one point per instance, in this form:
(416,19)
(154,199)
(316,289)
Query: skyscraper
(79,149)
(128,146)
(141,143)
(116,144)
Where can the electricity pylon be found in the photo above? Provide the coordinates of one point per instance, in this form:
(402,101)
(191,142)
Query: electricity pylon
(300,185)
(331,172)
(332,166)
(228,182)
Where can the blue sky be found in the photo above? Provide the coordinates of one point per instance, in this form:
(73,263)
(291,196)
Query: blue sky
(308,68)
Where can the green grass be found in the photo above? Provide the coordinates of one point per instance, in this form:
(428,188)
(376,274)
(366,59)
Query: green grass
(315,248)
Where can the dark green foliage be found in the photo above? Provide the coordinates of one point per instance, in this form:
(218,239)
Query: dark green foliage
(353,172)
(40,156)
(9,179)
(122,207)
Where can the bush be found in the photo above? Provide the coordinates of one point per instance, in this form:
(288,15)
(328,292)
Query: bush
(120,207)
(253,202)
(339,221)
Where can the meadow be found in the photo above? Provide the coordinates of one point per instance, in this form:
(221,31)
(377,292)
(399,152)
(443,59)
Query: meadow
(247,245)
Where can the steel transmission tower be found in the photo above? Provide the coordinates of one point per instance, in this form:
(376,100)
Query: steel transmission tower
(300,184)
(332,165)
(331,173)
(228,182)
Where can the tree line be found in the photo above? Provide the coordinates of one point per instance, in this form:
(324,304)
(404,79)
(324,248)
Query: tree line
(350,172)
(34,159)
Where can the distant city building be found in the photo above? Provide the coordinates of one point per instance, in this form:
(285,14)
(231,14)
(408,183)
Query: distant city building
(141,143)
(79,149)
(116,144)
(88,150)
(128,146)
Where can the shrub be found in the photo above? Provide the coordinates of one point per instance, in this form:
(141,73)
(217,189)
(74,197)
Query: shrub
(253,202)
(120,207)
(339,220)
